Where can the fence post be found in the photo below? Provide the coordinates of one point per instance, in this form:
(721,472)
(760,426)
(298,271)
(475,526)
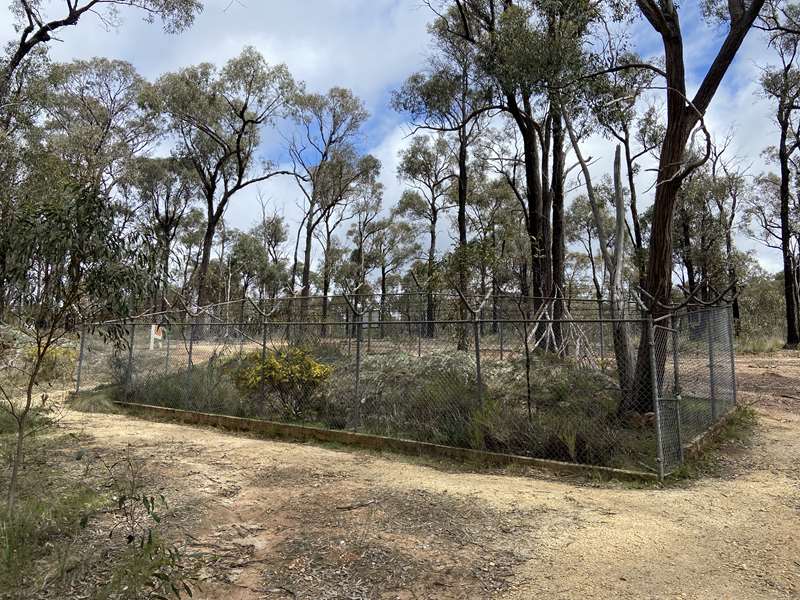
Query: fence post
(369,331)
(602,334)
(166,358)
(289,324)
(712,384)
(347,325)
(129,378)
(80,359)
(500,332)
(419,338)
(191,342)
(477,331)
(262,384)
(676,384)
(651,341)
(357,320)
(191,363)
(732,350)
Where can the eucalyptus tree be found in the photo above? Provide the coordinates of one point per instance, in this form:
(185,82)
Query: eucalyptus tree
(781,83)
(616,99)
(189,247)
(735,183)
(272,233)
(332,252)
(581,229)
(366,210)
(699,235)
(426,166)
(502,162)
(90,120)
(218,117)
(766,216)
(71,263)
(684,120)
(494,215)
(529,50)
(613,255)
(453,97)
(162,192)
(250,262)
(393,245)
(94,118)
(87,113)
(704,225)
(327,165)
(36,23)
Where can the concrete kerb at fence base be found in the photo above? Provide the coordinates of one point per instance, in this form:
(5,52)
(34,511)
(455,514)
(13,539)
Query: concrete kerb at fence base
(303,433)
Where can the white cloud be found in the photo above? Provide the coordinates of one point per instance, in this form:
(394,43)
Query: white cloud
(370,46)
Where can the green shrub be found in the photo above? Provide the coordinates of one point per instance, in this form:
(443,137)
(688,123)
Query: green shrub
(292,376)
(150,569)
(58,363)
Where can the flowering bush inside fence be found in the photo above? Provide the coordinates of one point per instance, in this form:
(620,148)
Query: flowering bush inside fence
(293,375)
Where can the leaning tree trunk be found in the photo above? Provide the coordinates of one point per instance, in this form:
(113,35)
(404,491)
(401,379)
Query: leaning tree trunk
(659,274)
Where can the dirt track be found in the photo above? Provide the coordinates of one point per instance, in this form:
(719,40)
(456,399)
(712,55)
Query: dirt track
(276,520)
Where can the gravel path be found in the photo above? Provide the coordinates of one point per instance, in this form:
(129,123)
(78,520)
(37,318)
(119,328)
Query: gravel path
(278,520)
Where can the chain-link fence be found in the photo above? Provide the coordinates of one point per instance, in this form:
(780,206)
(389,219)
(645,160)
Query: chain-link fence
(532,379)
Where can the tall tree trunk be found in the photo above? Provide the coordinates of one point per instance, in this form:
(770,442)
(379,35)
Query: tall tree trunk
(534,191)
(306,278)
(205,260)
(495,285)
(533,186)
(164,278)
(383,301)
(681,118)
(640,256)
(789,285)
(558,246)
(326,283)
(430,308)
(733,281)
(462,235)
(659,267)
(546,244)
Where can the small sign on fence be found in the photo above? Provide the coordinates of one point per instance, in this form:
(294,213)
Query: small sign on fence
(157,334)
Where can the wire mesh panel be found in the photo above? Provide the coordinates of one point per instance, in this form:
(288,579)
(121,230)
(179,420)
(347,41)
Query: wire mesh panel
(627,393)
(698,380)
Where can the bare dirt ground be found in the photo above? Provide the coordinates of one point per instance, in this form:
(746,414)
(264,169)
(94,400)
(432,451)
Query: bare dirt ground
(275,520)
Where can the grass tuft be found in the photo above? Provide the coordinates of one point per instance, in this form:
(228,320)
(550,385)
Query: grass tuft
(759,345)
(93,401)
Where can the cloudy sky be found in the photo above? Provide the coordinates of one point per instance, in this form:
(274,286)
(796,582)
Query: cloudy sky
(371,46)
